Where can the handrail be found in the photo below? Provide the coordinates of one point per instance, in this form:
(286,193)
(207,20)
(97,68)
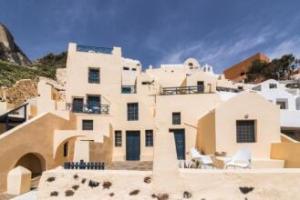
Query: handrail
(182,90)
(227,89)
(94,49)
(90,109)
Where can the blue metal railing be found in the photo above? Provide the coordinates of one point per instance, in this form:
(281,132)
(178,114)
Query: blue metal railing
(86,48)
(84,108)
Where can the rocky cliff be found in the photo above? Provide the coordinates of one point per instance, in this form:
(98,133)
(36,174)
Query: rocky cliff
(9,50)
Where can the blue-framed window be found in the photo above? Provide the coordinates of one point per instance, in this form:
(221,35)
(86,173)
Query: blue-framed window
(245,131)
(149,138)
(94,75)
(132,111)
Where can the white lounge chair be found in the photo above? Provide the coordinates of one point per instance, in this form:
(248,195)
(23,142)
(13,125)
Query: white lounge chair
(242,159)
(205,161)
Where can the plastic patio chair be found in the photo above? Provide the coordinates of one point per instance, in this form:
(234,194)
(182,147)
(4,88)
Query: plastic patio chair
(241,159)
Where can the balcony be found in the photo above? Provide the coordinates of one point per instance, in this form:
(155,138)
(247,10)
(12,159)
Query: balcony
(128,89)
(227,89)
(93,49)
(88,109)
(182,90)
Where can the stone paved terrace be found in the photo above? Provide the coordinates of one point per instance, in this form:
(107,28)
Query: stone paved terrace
(131,165)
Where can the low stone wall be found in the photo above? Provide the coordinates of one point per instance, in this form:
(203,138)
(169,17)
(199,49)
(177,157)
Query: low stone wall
(197,184)
(288,151)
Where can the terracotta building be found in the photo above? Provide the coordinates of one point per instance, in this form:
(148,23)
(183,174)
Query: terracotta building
(237,72)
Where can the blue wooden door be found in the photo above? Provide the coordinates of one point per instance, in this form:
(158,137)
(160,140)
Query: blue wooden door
(132,145)
(179,137)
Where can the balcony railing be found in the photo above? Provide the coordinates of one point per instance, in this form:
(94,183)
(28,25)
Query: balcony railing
(182,90)
(93,49)
(227,89)
(101,109)
(128,89)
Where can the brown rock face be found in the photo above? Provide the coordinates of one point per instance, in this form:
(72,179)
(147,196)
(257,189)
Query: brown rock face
(9,50)
(20,92)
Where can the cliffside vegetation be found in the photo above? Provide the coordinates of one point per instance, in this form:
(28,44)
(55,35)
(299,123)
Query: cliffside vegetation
(45,66)
(278,69)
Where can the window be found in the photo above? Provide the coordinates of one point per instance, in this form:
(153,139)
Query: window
(200,86)
(126,68)
(66,149)
(133,69)
(149,138)
(87,125)
(245,131)
(282,103)
(128,89)
(77,105)
(93,103)
(272,85)
(176,118)
(132,111)
(118,138)
(94,75)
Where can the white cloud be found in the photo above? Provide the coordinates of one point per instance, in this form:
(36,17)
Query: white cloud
(287,46)
(216,52)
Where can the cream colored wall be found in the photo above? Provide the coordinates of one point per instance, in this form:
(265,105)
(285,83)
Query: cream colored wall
(192,108)
(250,106)
(111,66)
(206,134)
(209,81)
(288,150)
(38,134)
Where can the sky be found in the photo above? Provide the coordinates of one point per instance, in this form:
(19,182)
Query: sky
(216,32)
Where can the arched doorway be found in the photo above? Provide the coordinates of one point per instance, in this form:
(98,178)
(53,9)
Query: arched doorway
(33,162)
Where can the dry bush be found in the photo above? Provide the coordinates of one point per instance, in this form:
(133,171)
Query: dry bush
(147,180)
(75,187)
(106,185)
(134,192)
(51,179)
(69,193)
(54,194)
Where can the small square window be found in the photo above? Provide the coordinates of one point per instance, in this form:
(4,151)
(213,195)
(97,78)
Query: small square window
(87,125)
(272,85)
(94,75)
(126,68)
(176,118)
(118,138)
(149,138)
(245,131)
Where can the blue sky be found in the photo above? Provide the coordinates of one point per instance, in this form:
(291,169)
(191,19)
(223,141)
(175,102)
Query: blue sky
(217,32)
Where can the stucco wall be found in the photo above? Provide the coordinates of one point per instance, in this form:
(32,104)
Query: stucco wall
(288,151)
(206,134)
(192,108)
(35,136)
(247,106)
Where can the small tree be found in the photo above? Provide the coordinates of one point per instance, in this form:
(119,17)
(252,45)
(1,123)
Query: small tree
(279,69)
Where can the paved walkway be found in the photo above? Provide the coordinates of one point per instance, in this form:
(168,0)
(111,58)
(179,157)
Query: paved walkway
(131,165)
